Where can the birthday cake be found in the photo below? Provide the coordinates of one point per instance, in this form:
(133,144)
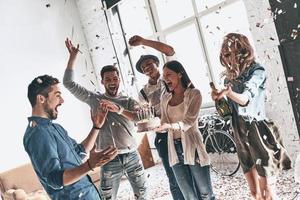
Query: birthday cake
(148,124)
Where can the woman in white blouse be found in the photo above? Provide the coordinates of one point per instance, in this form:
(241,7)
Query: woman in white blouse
(179,113)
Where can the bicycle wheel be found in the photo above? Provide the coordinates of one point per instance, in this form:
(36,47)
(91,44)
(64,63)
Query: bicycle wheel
(222,151)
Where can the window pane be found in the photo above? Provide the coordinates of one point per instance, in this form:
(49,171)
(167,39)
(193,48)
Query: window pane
(173,11)
(205,4)
(216,25)
(135,18)
(136,21)
(189,52)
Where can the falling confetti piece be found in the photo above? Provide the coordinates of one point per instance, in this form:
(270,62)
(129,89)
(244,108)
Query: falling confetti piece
(72,34)
(265,137)
(125,52)
(92,83)
(39,81)
(258,161)
(294,34)
(295,5)
(48,5)
(86,64)
(272,38)
(279,12)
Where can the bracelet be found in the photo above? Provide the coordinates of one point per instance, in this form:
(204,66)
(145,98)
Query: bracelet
(121,110)
(88,162)
(97,128)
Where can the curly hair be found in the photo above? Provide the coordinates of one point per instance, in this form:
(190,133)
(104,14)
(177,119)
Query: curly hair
(236,55)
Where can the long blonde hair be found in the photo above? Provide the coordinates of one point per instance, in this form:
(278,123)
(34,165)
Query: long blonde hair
(236,55)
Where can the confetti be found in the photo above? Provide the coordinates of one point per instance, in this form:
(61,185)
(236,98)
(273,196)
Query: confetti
(39,81)
(258,161)
(265,137)
(48,5)
(294,34)
(72,33)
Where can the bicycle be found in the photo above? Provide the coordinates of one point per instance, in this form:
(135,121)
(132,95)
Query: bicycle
(219,144)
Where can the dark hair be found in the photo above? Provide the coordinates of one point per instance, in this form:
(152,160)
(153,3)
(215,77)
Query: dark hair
(178,68)
(40,85)
(236,55)
(108,68)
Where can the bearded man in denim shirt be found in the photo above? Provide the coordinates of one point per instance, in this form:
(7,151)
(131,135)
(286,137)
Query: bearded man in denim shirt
(57,158)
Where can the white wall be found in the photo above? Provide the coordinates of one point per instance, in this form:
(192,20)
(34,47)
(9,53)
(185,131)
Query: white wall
(278,103)
(32,44)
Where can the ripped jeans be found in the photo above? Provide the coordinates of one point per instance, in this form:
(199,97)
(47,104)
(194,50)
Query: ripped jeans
(185,174)
(129,164)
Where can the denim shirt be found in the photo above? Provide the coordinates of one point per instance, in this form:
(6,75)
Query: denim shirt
(52,151)
(250,83)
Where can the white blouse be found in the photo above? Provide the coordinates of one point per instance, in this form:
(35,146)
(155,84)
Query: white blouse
(191,137)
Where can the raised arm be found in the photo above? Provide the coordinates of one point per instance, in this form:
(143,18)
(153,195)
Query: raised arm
(159,46)
(77,90)
(73,51)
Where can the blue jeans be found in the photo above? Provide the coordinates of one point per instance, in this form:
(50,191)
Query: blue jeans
(192,177)
(111,173)
(161,144)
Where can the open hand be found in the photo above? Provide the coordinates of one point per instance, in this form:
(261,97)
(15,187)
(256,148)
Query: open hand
(100,158)
(98,115)
(72,50)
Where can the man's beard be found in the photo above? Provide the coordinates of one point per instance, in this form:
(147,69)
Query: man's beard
(50,112)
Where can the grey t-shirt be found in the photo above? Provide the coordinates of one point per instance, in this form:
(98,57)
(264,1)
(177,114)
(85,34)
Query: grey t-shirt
(117,130)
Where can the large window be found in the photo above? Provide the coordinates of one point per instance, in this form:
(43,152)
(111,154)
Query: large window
(194,28)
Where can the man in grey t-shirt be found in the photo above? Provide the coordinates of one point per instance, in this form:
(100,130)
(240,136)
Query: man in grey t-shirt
(116,131)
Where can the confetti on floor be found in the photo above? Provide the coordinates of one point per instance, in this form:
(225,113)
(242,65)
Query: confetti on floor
(225,188)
